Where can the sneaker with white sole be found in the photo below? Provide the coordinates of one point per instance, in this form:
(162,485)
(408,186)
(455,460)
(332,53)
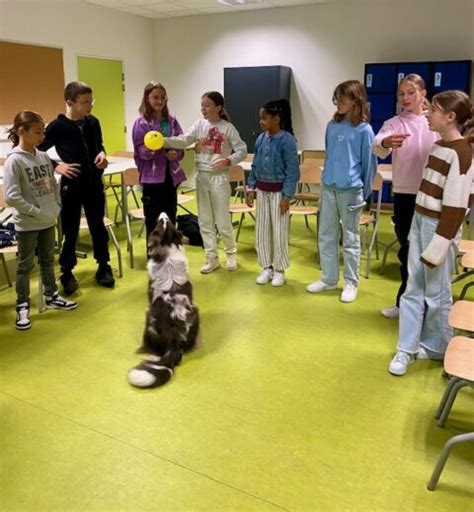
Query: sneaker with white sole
(319,286)
(278,278)
(212,263)
(425,355)
(349,292)
(231,263)
(400,362)
(23,321)
(265,276)
(58,302)
(392,312)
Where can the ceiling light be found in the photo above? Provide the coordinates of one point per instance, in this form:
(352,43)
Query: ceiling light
(233,3)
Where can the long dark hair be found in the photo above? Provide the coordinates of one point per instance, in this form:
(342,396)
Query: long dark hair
(218,100)
(355,91)
(145,109)
(459,103)
(282,109)
(24,119)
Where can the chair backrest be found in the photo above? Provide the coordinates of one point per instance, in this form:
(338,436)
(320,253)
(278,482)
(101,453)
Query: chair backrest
(312,153)
(3,204)
(377,184)
(126,154)
(249,157)
(131,177)
(310,171)
(236,174)
(384,167)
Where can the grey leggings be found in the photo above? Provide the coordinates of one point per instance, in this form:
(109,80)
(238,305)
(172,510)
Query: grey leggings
(43,241)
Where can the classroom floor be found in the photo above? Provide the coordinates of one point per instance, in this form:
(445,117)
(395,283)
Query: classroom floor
(287,405)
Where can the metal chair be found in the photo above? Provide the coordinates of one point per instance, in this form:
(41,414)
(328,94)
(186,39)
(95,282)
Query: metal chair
(372,218)
(237,177)
(459,364)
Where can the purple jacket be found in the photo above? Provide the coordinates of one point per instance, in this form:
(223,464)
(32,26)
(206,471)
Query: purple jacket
(152,165)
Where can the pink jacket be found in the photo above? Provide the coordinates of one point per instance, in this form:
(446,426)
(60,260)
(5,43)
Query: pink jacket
(409,160)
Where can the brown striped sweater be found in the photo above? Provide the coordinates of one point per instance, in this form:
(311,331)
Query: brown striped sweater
(444,194)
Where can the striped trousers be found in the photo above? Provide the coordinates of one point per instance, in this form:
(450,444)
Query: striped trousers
(271,231)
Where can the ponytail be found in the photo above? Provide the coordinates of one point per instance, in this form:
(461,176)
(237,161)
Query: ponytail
(24,119)
(282,109)
(218,100)
(468,131)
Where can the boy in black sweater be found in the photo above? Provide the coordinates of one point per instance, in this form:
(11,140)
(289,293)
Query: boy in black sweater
(77,138)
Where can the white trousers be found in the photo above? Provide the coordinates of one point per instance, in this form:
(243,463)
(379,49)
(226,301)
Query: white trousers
(271,231)
(213,197)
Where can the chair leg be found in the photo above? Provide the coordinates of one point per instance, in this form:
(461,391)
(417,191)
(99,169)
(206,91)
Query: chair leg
(306,221)
(443,457)
(129,240)
(464,290)
(41,306)
(460,383)
(119,252)
(446,393)
(240,227)
(385,254)
(5,268)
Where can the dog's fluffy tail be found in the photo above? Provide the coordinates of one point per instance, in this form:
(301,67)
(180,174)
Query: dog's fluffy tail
(155,371)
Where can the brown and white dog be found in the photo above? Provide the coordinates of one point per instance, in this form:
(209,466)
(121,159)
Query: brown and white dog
(172,321)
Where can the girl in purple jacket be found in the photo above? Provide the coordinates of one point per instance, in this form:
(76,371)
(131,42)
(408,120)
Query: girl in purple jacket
(160,171)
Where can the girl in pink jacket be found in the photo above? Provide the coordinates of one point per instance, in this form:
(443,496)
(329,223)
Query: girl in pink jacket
(408,137)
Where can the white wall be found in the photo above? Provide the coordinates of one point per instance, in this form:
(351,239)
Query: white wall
(84,29)
(323,44)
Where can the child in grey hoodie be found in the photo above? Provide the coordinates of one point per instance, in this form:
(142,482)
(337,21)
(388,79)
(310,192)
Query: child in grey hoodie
(30,189)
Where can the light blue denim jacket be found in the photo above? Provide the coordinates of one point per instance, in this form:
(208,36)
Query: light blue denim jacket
(275,161)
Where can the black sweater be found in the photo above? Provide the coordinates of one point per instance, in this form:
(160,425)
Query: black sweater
(75,145)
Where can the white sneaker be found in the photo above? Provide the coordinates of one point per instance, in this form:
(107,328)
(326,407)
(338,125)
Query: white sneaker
(23,321)
(422,354)
(319,286)
(265,276)
(278,279)
(212,263)
(349,292)
(399,364)
(391,312)
(231,263)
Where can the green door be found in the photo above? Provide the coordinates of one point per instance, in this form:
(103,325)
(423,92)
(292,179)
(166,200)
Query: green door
(105,76)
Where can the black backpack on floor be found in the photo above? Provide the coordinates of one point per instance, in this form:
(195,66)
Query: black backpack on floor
(189,226)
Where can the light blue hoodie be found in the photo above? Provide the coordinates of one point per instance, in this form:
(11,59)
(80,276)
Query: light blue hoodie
(349,162)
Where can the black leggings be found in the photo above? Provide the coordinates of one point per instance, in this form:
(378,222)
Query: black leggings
(403,211)
(157,198)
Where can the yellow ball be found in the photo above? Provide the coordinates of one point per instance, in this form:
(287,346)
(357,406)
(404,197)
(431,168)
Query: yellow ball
(154,140)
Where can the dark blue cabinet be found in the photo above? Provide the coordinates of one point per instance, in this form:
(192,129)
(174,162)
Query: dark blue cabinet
(246,89)
(451,75)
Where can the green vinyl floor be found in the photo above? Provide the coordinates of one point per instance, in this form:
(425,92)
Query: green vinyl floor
(287,405)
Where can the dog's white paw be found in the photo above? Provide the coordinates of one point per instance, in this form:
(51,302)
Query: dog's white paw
(141,378)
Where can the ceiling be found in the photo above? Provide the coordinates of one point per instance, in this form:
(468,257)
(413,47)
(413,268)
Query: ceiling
(177,8)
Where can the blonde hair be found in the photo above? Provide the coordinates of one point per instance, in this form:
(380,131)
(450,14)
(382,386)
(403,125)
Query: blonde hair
(418,83)
(355,91)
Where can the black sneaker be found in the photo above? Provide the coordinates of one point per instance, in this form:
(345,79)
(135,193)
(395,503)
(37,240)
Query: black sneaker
(69,282)
(57,302)
(23,321)
(104,276)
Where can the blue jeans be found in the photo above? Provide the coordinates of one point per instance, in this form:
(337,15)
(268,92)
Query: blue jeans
(334,203)
(425,305)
